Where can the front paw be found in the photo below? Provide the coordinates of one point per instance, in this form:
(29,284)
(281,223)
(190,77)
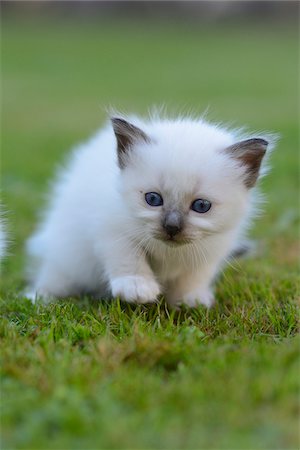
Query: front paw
(135,289)
(196,298)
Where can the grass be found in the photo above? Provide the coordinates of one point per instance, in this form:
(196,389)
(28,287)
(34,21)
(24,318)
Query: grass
(108,375)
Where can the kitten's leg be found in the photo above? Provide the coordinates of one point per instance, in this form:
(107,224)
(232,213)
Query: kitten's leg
(50,284)
(192,289)
(130,276)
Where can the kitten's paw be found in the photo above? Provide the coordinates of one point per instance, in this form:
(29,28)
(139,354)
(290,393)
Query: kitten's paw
(135,289)
(196,298)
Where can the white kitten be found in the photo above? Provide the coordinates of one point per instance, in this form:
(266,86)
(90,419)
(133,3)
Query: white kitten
(147,208)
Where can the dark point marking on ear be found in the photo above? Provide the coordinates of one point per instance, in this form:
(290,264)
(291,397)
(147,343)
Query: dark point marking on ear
(127,135)
(250,153)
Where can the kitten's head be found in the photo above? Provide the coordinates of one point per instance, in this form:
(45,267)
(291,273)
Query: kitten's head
(185,179)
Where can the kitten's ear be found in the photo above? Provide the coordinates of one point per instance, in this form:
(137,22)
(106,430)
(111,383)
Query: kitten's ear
(250,154)
(127,135)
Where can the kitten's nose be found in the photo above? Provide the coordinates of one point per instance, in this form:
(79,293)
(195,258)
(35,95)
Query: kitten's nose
(172,230)
(173,223)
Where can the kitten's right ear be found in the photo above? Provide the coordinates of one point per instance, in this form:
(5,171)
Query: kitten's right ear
(127,135)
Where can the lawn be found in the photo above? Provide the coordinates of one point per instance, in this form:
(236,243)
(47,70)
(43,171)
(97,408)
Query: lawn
(108,375)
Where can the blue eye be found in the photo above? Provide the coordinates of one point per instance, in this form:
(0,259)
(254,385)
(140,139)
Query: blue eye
(200,205)
(153,199)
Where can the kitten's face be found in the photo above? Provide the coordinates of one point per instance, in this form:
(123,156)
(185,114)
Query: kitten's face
(182,186)
(183,205)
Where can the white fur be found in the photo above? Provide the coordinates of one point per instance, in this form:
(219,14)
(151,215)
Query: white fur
(97,235)
(3,239)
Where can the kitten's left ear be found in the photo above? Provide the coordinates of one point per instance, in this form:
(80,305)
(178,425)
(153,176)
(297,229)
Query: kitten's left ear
(250,154)
(127,135)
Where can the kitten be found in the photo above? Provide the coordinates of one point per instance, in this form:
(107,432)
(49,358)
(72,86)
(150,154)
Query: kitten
(147,208)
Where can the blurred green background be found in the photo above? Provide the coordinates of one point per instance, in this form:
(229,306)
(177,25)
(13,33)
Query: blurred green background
(63,64)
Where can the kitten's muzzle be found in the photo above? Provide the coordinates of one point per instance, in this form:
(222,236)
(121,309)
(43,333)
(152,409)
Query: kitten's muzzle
(173,223)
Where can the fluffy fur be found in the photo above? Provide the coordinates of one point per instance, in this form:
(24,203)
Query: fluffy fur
(99,235)
(4,235)
(3,243)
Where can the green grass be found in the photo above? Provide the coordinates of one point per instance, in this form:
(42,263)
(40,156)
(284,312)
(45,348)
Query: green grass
(107,375)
